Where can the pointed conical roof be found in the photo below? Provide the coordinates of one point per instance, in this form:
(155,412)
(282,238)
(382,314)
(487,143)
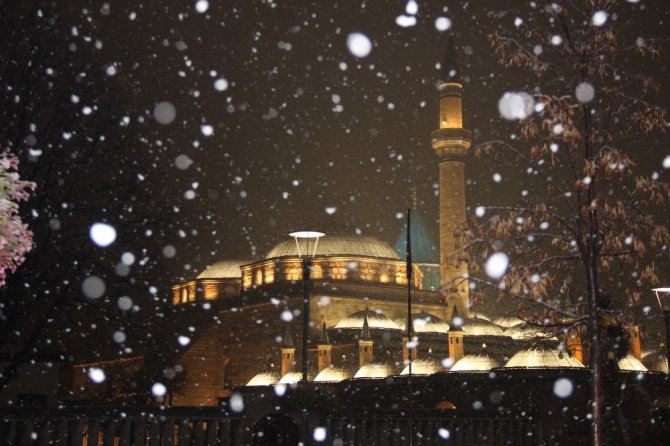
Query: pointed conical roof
(324,339)
(365,331)
(456,323)
(450,70)
(424,249)
(288,340)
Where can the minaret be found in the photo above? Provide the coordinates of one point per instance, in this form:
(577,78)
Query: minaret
(451,142)
(365,345)
(287,353)
(323,350)
(455,336)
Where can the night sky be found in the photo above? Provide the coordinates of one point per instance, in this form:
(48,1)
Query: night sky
(282,155)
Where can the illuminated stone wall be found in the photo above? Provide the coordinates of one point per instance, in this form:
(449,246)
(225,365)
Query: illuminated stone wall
(336,268)
(205,290)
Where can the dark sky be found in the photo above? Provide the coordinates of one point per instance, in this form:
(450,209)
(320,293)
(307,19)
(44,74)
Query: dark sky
(281,155)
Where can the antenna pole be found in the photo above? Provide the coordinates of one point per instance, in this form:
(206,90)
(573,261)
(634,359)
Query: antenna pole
(410,325)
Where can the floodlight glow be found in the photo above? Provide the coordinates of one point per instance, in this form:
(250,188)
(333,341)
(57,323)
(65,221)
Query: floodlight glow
(306,234)
(663,302)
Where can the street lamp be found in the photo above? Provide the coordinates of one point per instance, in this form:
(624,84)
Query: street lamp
(306,242)
(663,297)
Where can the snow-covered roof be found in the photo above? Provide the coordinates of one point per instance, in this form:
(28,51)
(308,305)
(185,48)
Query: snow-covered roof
(264,379)
(475,363)
(224,269)
(352,245)
(543,357)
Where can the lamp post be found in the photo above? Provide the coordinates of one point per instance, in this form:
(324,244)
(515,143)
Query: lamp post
(306,237)
(663,297)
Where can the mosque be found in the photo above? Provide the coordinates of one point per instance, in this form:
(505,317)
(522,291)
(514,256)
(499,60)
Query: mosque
(358,324)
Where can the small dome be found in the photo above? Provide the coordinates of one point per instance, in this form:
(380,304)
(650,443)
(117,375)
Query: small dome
(423,367)
(477,326)
(425,323)
(374,371)
(375,320)
(475,363)
(291,378)
(479,315)
(332,375)
(337,245)
(264,379)
(507,321)
(224,269)
(524,331)
(630,363)
(542,357)
(656,362)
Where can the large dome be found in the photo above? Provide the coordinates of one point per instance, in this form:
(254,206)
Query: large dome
(375,320)
(477,326)
(352,245)
(542,357)
(224,269)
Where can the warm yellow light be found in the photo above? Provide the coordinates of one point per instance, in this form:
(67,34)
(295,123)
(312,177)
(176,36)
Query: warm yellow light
(663,297)
(210,291)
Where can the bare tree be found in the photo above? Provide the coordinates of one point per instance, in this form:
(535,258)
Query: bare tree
(583,224)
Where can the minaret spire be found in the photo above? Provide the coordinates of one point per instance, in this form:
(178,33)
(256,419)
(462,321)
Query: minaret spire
(455,337)
(451,142)
(365,344)
(287,353)
(450,70)
(323,350)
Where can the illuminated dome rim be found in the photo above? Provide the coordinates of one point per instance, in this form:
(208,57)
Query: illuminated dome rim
(352,245)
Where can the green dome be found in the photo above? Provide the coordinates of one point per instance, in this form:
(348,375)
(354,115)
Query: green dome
(424,249)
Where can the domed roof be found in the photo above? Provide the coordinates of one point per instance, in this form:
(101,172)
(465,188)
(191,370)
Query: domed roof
(656,362)
(224,269)
(543,357)
(477,326)
(264,379)
(630,363)
(507,321)
(524,331)
(475,363)
(423,367)
(290,378)
(332,375)
(354,245)
(425,323)
(375,320)
(374,371)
